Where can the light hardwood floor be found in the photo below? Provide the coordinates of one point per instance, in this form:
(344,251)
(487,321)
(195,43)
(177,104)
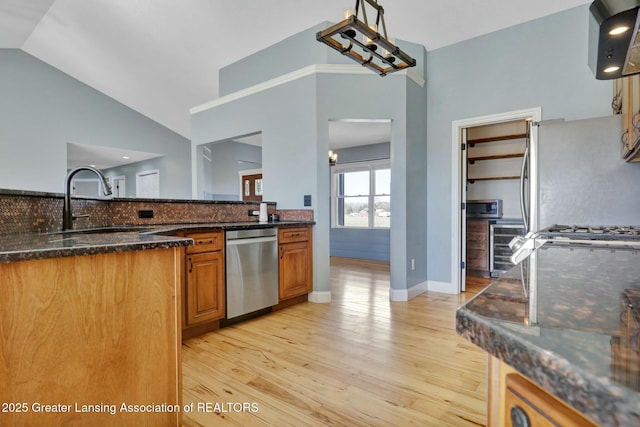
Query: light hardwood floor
(359,361)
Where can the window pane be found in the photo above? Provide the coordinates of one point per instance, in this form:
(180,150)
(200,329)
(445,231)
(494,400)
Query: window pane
(382,216)
(356,183)
(356,212)
(383,181)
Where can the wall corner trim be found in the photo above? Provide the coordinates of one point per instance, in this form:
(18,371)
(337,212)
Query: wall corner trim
(443,287)
(294,75)
(320,297)
(407,294)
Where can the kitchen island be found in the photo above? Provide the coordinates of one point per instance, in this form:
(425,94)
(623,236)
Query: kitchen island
(567,320)
(90,324)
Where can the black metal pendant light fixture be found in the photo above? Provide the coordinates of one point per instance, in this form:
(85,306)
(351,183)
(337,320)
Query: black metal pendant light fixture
(361,41)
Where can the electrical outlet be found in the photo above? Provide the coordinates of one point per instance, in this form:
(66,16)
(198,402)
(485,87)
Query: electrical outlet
(307,200)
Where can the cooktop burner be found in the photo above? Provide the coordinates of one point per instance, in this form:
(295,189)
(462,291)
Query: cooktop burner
(592,232)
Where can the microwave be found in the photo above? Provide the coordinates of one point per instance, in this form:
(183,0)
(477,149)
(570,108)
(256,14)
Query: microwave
(490,208)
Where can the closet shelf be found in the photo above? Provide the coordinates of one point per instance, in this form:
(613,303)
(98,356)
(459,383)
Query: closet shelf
(494,157)
(491,178)
(471,142)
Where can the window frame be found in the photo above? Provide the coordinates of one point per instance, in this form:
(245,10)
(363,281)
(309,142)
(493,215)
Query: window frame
(371,166)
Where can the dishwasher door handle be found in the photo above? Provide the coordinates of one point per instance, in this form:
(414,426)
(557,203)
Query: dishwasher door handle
(251,240)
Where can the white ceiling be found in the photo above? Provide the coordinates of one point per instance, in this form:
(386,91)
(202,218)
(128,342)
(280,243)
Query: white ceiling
(103,157)
(161,57)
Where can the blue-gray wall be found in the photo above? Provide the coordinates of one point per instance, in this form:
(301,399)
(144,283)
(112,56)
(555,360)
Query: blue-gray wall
(291,54)
(294,121)
(538,63)
(42,109)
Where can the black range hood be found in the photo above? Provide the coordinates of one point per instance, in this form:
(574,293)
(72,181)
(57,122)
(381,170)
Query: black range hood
(614,42)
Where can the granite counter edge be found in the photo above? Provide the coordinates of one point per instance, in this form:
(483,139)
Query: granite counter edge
(134,241)
(598,398)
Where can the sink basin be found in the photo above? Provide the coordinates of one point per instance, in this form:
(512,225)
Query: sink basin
(114,229)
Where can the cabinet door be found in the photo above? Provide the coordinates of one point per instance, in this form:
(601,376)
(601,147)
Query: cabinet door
(294,269)
(205,287)
(528,405)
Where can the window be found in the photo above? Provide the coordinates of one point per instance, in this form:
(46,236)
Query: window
(361,195)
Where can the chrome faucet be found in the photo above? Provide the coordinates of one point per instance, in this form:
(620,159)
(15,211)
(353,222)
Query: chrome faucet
(67,216)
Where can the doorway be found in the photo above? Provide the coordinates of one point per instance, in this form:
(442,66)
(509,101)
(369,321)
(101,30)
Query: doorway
(148,184)
(461,182)
(118,186)
(360,191)
(251,185)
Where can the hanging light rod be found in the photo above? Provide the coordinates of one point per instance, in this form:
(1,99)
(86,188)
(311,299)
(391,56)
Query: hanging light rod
(363,43)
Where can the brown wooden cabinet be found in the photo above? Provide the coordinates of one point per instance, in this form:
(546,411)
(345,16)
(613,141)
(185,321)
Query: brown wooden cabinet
(626,98)
(625,346)
(295,261)
(478,247)
(528,405)
(204,270)
(516,401)
(82,330)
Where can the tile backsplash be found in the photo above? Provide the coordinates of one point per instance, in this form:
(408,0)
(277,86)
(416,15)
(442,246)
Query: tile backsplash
(32,212)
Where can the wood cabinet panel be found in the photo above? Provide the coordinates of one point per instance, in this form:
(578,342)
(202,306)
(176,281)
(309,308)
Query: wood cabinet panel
(290,235)
(528,405)
(205,287)
(206,242)
(295,262)
(626,92)
(508,389)
(92,329)
(205,278)
(478,247)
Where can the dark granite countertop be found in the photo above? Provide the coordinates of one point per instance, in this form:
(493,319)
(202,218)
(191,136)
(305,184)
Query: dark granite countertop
(585,347)
(32,246)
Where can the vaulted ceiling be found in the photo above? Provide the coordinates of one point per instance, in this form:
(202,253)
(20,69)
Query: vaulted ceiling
(161,57)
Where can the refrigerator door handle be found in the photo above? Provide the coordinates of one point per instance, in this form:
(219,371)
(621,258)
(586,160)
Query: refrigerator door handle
(523,203)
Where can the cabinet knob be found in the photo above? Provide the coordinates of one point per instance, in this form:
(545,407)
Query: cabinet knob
(519,417)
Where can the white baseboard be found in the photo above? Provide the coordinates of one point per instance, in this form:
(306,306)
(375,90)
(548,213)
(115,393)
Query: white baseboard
(407,294)
(444,287)
(320,296)
(415,290)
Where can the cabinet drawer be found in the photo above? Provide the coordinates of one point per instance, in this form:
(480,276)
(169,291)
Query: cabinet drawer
(206,242)
(528,404)
(290,235)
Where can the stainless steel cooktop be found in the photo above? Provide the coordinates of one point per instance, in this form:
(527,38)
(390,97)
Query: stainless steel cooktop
(591,232)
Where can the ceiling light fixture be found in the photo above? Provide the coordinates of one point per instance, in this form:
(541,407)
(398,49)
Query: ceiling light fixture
(619,30)
(361,41)
(333,158)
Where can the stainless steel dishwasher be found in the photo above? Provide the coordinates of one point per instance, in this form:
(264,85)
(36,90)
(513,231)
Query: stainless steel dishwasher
(252,270)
